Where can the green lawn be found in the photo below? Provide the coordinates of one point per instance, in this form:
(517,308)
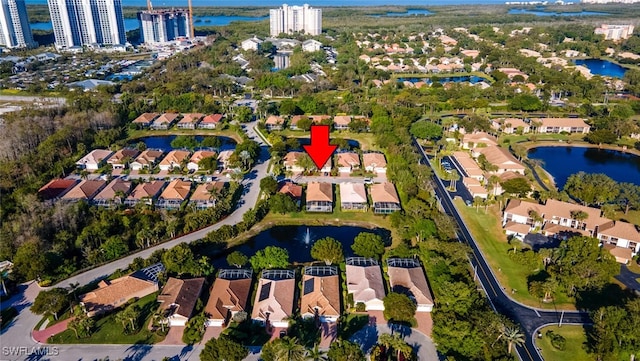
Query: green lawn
(108,331)
(633,216)
(574,350)
(492,241)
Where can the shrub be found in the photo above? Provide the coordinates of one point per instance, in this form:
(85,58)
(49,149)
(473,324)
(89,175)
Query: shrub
(557,341)
(360,307)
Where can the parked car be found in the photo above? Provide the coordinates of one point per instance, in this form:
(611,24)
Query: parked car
(368,181)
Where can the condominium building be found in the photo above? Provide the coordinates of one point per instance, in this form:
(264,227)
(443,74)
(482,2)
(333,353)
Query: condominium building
(615,32)
(78,23)
(161,26)
(292,19)
(15,31)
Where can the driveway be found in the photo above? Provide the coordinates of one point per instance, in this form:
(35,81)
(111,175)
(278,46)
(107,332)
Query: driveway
(423,345)
(629,278)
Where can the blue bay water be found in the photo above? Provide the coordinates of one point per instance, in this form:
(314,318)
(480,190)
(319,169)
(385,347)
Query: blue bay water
(602,67)
(318,3)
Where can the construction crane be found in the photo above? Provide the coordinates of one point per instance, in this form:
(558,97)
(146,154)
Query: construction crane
(191,30)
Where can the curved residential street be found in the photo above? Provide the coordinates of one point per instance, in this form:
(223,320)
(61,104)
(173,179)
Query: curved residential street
(529,318)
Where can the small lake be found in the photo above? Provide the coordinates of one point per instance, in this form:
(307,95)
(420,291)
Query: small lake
(547,13)
(409,12)
(602,67)
(198,22)
(561,162)
(298,240)
(164,142)
(450,79)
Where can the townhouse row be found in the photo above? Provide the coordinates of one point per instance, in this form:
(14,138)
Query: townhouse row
(339,122)
(181,121)
(158,193)
(277,295)
(346,162)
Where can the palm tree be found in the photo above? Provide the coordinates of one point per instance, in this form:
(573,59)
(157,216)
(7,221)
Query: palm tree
(579,216)
(513,336)
(315,354)
(290,350)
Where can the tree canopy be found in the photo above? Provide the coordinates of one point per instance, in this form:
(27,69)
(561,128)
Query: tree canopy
(367,244)
(328,250)
(270,257)
(50,301)
(223,348)
(591,188)
(398,307)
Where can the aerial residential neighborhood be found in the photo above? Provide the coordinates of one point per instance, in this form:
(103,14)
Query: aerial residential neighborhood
(323,181)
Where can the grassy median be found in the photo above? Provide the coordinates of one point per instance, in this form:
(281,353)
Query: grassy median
(575,338)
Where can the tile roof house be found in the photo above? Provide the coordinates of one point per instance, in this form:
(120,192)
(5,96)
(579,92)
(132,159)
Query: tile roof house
(85,190)
(164,121)
(223,159)
(374,162)
(229,295)
(292,190)
(210,121)
(347,162)
(320,293)
(365,283)
(206,195)
(319,197)
(293,123)
(620,234)
(385,198)
(56,188)
(274,122)
(116,293)
(197,156)
(94,159)
(189,120)
(274,302)
(174,195)
(113,194)
(174,159)
(146,160)
(406,276)
(469,165)
(559,125)
(501,158)
(121,158)
(475,188)
(145,119)
(178,299)
(511,125)
(291,162)
(145,192)
(622,255)
(341,122)
(477,139)
(353,196)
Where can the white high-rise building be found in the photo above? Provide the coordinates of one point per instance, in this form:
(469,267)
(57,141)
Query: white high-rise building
(161,26)
(15,31)
(87,22)
(292,19)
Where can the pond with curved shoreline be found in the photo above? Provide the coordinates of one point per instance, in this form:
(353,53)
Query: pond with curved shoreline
(298,240)
(561,162)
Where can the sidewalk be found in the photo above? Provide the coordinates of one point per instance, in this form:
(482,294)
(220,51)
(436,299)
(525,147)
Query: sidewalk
(43,335)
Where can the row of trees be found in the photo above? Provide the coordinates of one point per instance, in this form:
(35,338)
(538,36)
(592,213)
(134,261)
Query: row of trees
(598,189)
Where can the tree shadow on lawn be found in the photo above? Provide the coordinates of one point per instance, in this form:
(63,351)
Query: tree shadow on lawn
(610,295)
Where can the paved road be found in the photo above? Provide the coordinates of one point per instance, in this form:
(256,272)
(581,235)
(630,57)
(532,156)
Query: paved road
(629,278)
(16,342)
(368,336)
(529,318)
(30,99)
(336,180)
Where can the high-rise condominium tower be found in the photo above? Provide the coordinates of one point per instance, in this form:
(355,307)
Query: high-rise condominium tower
(292,19)
(85,22)
(15,31)
(161,26)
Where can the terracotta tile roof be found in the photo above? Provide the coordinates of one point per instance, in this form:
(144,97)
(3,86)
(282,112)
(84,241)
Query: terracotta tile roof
(522,208)
(190,118)
(352,193)
(291,158)
(515,122)
(175,157)
(479,137)
(166,118)
(95,156)
(500,157)
(561,122)
(365,283)
(384,192)
(123,153)
(318,118)
(620,229)
(147,190)
(56,187)
(291,189)
(86,189)
(322,293)
(184,293)
(342,119)
(517,227)
(146,118)
(374,160)
(274,119)
(349,159)
(465,161)
(199,155)
(228,295)
(320,192)
(296,118)
(212,119)
(149,156)
(225,155)
(552,229)
(177,189)
(117,185)
(203,191)
(411,280)
(620,253)
(564,209)
(277,301)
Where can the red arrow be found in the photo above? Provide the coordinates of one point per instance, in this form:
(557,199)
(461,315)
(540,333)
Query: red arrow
(320,150)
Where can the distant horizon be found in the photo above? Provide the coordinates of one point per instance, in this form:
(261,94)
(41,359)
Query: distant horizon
(318,3)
